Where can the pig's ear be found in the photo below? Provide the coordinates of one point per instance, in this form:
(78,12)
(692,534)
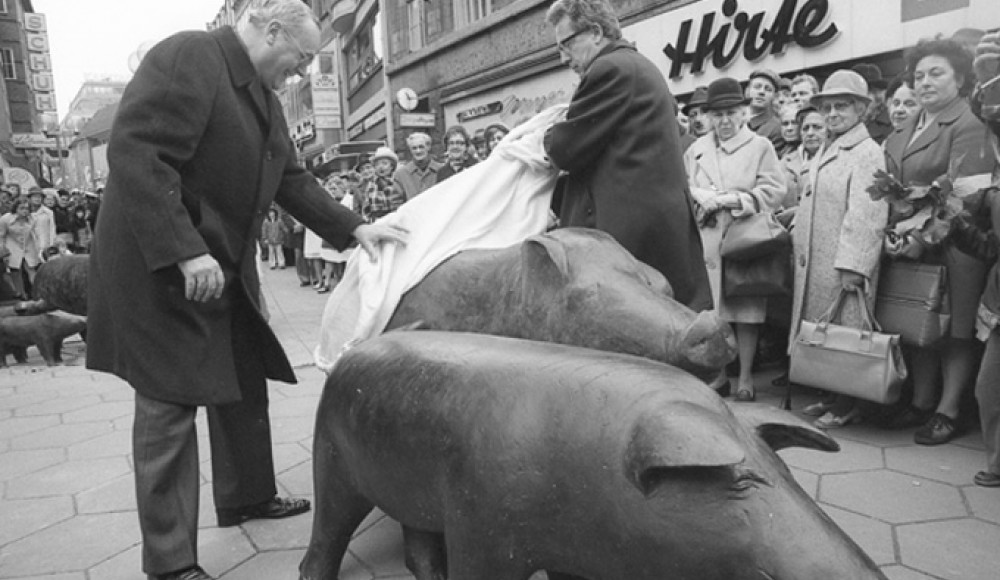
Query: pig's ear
(545,255)
(780,429)
(679,436)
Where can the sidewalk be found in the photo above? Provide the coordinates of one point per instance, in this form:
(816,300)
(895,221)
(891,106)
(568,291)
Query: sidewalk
(67,505)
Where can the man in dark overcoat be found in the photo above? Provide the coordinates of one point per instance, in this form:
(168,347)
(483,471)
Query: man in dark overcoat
(199,150)
(621,148)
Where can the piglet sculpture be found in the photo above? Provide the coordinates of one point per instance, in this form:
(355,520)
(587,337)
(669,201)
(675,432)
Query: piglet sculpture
(527,455)
(573,286)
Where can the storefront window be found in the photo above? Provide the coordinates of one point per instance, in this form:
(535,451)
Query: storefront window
(364,53)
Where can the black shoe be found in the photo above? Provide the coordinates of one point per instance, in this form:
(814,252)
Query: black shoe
(192,573)
(940,429)
(911,417)
(725,389)
(272,509)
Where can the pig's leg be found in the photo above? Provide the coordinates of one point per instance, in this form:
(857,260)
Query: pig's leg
(474,555)
(425,554)
(45,348)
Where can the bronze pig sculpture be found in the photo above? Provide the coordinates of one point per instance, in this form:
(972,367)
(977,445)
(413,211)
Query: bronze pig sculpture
(530,456)
(573,286)
(62,283)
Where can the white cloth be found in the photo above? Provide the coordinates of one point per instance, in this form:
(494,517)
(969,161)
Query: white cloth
(493,204)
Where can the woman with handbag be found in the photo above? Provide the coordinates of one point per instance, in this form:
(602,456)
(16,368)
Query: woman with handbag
(733,173)
(837,238)
(945,142)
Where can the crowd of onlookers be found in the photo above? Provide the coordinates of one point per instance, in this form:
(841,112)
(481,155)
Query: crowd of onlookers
(38,224)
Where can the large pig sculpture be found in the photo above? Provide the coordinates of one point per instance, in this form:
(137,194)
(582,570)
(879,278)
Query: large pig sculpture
(533,456)
(572,286)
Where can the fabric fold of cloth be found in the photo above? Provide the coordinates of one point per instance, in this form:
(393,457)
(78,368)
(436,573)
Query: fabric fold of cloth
(493,204)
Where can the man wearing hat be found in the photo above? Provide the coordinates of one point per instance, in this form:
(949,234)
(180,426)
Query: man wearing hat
(620,147)
(877,117)
(695,111)
(760,91)
(385,198)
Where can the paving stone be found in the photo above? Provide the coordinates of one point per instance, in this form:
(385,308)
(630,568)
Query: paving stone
(126,565)
(380,548)
(964,549)
(269,566)
(82,542)
(16,400)
(809,482)
(63,404)
(971,439)
(283,534)
(945,463)
(298,480)
(60,435)
(68,576)
(903,573)
(123,423)
(105,411)
(303,408)
(223,549)
(984,503)
(123,393)
(117,495)
(18,426)
(852,456)
(114,444)
(310,384)
(18,463)
(876,436)
(874,537)
(24,517)
(291,429)
(289,455)
(68,478)
(891,497)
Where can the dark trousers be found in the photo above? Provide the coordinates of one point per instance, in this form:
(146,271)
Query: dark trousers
(988,396)
(165,448)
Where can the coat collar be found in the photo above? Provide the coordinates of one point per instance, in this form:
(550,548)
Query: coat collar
(845,142)
(241,69)
(707,157)
(620,44)
(900,147)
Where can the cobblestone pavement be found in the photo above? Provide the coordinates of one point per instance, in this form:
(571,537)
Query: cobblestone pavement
(67,505)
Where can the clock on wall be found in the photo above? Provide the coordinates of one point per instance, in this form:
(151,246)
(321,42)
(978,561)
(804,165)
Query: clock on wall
(407,98)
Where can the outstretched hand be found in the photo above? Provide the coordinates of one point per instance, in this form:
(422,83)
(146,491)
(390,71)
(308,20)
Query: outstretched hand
(369,236)
(987,63)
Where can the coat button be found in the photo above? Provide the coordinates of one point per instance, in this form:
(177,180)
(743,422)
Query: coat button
(269,156)
(802,261)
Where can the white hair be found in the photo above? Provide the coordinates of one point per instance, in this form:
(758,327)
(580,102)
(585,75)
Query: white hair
(415,138)
(290,13)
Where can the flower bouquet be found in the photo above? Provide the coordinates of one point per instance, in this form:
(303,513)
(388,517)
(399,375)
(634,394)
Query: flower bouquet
(920,216)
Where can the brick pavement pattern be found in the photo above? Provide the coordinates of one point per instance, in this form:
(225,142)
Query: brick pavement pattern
(67,503)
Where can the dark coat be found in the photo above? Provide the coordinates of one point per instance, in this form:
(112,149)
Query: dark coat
(447,170)
(199,150)
(621,146)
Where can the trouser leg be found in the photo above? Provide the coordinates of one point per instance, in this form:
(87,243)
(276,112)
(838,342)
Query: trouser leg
(165,449)
(240,433)
(988,395)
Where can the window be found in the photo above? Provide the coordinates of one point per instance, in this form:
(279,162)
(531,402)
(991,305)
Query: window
(3,7)
(415,19)
(469,11)
(364,53)
(9,66)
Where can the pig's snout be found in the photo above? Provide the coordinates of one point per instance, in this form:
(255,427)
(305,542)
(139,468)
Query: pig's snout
(708,344)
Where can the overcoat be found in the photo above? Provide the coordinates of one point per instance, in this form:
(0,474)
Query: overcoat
(955,144)
(199,149)
(838,227)
(747,165)
(621,147)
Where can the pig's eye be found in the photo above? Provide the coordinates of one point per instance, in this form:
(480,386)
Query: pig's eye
(747,480)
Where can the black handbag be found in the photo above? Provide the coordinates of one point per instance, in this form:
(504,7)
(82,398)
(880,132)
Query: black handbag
(754,236)
(768,275)
(912,302)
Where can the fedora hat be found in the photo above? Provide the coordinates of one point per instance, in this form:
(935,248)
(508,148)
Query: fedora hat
(724,93)
(842,83)
(872,75)
(698,99)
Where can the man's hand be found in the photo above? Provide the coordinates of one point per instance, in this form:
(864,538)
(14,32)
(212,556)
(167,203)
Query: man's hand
(369,236)
(203,278)
(851,280)
(987,63)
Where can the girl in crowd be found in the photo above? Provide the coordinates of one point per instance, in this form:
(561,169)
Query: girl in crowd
(902,102)
(944,141)
(733,173)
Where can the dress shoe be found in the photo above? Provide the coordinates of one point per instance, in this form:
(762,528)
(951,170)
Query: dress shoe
(940,429)
(987,479)
(911,417)
(272,509)
(192,573)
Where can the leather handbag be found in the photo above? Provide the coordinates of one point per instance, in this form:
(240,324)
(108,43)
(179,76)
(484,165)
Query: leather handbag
(859,362)
(768,275)
(912,302)
(754,236)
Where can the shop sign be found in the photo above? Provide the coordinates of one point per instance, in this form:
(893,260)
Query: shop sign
(355,130)
(416,119)
(374,118)
(747,35)
(479,111)
(914,9)
(31,141)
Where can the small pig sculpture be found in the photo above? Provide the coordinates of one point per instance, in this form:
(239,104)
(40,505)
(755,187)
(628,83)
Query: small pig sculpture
(526,456)
(572,286)
(46,331)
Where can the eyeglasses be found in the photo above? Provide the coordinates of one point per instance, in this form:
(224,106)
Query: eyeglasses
(457,142)
(304,57)
(563,44)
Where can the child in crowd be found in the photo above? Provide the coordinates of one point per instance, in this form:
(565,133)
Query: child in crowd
(274,233)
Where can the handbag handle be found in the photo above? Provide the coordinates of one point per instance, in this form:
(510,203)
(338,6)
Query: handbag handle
(868,323)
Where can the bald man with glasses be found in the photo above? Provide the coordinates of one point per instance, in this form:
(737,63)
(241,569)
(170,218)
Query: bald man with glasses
(199,151)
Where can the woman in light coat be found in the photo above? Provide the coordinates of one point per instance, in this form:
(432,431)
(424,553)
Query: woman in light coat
(838,231)
(19,240)
(733,173)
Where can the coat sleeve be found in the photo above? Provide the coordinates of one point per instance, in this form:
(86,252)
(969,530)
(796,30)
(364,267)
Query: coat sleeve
(592,118)
(971,153)
(861,233)
(158,127)
(309,203)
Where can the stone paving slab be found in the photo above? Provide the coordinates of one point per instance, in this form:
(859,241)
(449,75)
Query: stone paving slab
(66,480)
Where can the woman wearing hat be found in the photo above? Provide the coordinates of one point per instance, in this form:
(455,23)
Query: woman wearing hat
(733,173)
(945,140)
(837,238)
(385,198)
